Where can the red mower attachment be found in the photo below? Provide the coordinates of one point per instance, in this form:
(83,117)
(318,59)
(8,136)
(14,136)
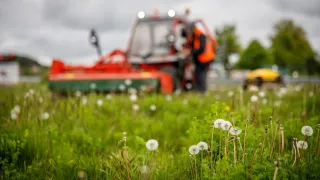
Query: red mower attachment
(112,72)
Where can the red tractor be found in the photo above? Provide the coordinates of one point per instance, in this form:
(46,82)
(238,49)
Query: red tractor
(151,62)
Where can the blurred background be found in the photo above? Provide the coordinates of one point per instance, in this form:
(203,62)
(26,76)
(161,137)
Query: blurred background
(278,34)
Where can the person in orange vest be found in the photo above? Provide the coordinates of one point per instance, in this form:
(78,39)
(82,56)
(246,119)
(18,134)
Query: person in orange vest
(202,50)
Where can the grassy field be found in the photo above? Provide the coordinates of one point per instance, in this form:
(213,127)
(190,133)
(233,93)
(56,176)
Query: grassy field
(98,136)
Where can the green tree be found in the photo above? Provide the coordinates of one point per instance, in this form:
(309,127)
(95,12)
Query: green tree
(290,46)
(254,56)
(228,43)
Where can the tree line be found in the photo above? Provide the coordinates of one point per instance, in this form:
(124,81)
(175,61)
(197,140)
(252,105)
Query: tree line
(289,49)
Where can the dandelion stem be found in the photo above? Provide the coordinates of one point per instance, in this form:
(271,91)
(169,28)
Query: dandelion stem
(276,171)
(252,161)
(273,142)
(244,142)
(211,151)
(282,140)
(263,142)
(234,152)
(219,143)
(195,164)
(295,152)
(317,143)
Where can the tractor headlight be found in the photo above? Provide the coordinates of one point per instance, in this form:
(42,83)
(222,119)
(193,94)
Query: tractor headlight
(141,14)
(171,13)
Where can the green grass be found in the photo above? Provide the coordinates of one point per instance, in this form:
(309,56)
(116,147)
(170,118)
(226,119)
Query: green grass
(87,140)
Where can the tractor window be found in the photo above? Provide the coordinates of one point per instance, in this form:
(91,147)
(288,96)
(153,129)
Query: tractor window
(141,41)
(161,30)
(150,38)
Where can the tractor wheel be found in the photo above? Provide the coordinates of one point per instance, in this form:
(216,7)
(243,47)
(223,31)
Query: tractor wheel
(280,81)
(259,81)
(174,74)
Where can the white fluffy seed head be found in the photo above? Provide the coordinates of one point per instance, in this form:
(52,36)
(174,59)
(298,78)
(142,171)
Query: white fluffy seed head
(254,88)
(277,103)
(128,82)
(264,101)
(135,107)
(168,98)
(235,131)
(93,86)
(16,109)
(14,116)
(152,145)
(45,115)
(307,130)
(84,100)
(153,107)
(194,149)
(78,93)
(254,98)
(99,102)
(230,93)
(262,94)
(218,123)
(311,93)
(40,100)
(185,101)
(226,125)
(109,96)
(133,97)
(302,144)
(122,87)
(202,146)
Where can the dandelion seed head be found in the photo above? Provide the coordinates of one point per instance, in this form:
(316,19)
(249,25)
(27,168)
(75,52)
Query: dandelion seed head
(226,125)
(81,175)
(109,96)
(144,169)
(254,88)
(202,146)
(122,87)
(262,94)
(177,92)
(218,123)
(99,102)
(194,149)
(254,98)
(302,144)
(264,101)
(311,93)
(16,109)
(153,107)
(45,115)
(307,130)
(84,100)
(185,101)
(133,97)
(277,103)
(78,93)
(135,107)
(132,90)
(152,145)
(230,93)
(235,131)
(93,86)
(40,100)
(14,116)
(128,82)
(32,91)
(168,98)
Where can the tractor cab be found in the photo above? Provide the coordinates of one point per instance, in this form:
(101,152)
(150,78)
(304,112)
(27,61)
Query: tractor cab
(155,44)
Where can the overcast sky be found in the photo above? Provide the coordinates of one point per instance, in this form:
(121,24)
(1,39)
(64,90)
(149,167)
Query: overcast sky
(47,29)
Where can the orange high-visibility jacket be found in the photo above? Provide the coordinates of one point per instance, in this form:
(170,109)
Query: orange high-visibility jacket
(209,50)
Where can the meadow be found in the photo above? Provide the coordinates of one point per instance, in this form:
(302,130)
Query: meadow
(226,134)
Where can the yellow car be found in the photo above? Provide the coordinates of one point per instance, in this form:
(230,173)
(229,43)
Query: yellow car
(260,76)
